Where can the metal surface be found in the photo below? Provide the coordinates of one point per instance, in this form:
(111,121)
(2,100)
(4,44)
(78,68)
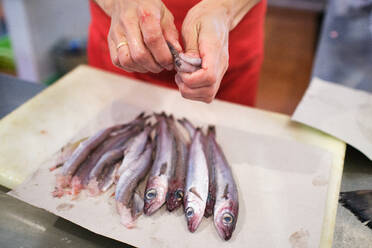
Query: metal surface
(14,92)
(22,225)
(357,175)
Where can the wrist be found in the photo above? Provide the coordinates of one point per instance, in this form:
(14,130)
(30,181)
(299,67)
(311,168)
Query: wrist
(232,10)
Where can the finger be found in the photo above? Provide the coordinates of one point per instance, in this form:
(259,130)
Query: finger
(214,64)
(113,52)
(169,30)
(205,94)
(127,62)
(154,39)
(121,56)
(139,53)
(190,38)
(198,79)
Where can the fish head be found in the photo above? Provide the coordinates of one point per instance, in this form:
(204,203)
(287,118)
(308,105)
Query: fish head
(194,211)
(225,217)
(175,196)
(155,194)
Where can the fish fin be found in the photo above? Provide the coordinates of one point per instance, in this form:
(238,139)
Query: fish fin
(226,191)
(193,190)
(163,169)
(359,203)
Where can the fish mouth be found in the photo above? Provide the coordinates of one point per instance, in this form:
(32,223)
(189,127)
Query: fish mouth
(151,207)
(194,222)
(224,232)
(173,204)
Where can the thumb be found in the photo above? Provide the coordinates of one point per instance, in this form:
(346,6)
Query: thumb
(170,31)
(190,36)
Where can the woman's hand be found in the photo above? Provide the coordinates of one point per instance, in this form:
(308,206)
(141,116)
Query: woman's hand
(138,34)
(205,32)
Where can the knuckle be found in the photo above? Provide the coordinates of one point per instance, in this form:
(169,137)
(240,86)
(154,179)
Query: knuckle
(211,78)
(157,70)
(125,61)
(210,94)
(115,61)
(152,39)
(164,61)
(139,56)
(185,94)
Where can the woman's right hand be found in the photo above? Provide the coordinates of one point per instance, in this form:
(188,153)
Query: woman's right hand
(139,33)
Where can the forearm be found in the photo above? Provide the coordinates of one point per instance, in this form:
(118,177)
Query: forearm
(233,10)
(106,5)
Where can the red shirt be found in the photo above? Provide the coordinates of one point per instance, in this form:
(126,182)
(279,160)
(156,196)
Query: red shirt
(240,82)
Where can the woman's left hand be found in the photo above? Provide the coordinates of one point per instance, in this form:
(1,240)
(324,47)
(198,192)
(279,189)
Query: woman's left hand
(205,32)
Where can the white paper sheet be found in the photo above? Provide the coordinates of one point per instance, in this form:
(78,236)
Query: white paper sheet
(282,188)
(343,112)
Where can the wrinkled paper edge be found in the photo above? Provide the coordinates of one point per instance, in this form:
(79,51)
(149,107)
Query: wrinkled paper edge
(342,112)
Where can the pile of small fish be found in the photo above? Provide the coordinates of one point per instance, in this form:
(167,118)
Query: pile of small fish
(189,170)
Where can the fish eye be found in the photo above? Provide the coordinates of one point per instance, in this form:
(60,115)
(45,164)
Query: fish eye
(227,218)
(150,194)
(179,195)
(189,212)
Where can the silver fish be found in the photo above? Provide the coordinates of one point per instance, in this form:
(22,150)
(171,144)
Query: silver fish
(82,152)
(211,200)
(226,208)
(182,62)
(177,182)
(188,126)
(107,179)
(162,169)
(81,177)
(196,189)
(126,202)
(134,149)
(104,168)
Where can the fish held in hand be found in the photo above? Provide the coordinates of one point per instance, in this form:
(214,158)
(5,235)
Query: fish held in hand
(196,189)
(86,147)
(226,208)
(183,62)
(134,149)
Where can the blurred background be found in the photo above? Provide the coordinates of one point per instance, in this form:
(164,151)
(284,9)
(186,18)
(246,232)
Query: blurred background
(32,48)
